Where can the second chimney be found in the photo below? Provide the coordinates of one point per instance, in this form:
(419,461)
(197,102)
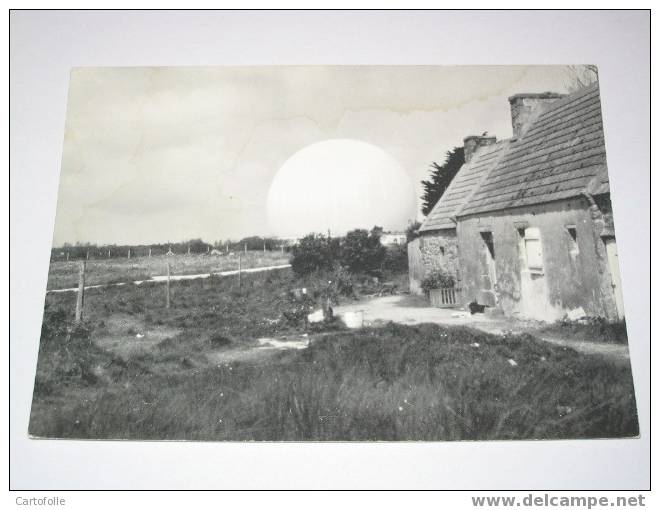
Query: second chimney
(523,106)
(473,142)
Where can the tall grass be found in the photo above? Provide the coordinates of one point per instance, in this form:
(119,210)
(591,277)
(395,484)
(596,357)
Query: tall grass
(593,329)
(392,383)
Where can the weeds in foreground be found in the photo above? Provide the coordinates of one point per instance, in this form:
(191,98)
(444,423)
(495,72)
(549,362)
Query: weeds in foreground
(592,329)
(391,383)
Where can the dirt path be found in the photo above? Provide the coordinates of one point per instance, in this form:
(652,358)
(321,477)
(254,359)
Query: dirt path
(615,351)
(127,335)
(258,352)
(407,309)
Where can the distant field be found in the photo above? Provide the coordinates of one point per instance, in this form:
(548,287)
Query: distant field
(65,274)
(196,371)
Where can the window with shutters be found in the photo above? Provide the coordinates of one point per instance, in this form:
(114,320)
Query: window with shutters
(533,250)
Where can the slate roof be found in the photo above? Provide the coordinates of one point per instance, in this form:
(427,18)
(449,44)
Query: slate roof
(464,183)
(560,155)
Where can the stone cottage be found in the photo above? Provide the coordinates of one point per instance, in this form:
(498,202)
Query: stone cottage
(526,225)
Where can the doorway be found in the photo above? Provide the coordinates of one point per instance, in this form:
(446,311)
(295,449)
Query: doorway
(533,286)
(489,276)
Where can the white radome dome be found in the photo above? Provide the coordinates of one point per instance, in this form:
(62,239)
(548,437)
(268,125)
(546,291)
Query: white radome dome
(339,185)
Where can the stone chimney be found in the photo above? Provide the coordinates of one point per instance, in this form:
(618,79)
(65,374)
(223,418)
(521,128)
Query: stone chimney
(524,106)
(473,142)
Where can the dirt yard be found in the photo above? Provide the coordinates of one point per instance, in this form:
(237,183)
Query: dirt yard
(410,310)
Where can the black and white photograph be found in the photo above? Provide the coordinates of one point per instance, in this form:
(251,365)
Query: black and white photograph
(275,250)
(334,253)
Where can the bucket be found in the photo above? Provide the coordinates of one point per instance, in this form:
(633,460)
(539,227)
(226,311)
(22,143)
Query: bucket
(353,320)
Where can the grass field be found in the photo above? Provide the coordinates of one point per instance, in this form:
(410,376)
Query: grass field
(197,372)
(593,329)
(64,275)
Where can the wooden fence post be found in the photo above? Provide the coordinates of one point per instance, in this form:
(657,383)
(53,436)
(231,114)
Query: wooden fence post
(239,271)
(80,300)
(167,302)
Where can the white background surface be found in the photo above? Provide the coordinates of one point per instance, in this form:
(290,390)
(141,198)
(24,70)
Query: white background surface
(45,45)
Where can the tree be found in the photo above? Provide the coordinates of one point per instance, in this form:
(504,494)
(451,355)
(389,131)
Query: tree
(412,230)
(396,258)
(361,251)
(441,177)
(196,246)
(314,252)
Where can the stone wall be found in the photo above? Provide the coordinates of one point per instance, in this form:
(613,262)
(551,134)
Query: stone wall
(567,280)
(437,250)
(440,251)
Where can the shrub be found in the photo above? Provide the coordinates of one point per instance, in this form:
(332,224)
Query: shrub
(361,251)
(219,340)
(296,314)
(437,279)
(314,252)
(342,282)
(396,258)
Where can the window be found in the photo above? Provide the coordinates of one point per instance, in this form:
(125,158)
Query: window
(521,247)
(530,249)
(489,259)
(488,242)
(573,248)
(533,250)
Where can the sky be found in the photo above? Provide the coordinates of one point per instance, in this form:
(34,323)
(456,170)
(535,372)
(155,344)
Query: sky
(170,154)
